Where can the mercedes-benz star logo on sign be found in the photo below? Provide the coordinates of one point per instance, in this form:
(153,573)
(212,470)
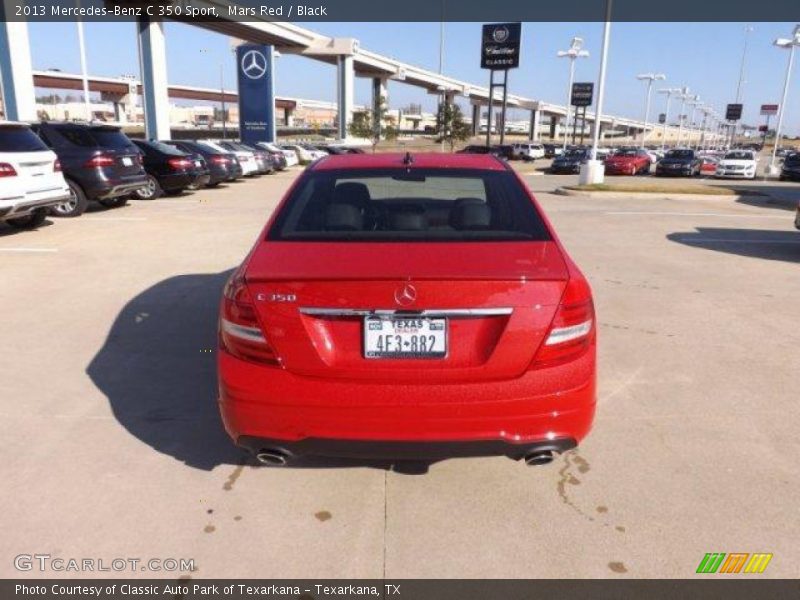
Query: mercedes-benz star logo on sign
(405,295)
(500,34)
(254,64)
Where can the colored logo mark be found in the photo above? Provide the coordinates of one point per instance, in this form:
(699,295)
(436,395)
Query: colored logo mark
(735,562)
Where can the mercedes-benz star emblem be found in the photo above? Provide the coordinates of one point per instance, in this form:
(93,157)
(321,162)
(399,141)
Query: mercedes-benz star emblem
(254,64)
(405,295)
(500,34)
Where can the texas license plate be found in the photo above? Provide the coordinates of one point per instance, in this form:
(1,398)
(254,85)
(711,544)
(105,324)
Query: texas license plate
(405,337)
(127,161)
(197,164)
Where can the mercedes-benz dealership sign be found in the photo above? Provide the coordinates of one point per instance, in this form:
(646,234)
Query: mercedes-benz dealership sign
(500,46)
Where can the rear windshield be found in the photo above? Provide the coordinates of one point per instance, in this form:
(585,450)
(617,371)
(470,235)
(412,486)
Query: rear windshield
(20,139)
(739,155)
(423,205)
(680,154)
(92,137)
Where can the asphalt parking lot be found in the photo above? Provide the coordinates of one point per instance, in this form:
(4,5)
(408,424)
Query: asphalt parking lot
(113,445)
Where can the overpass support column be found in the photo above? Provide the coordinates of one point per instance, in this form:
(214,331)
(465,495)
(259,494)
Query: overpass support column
(380,103)
(553,127)
(344,94)
(16,71)
(288,117)
(534,131)
(153,69)
(476,119)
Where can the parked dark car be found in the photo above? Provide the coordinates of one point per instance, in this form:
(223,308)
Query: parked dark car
(100,163)
(222,166)
(570,161)
(791,167)
(552,150)
(477,149)
(276,161)
(680,162)
(505,151)
(169,171)
(279,161)
(343,150)
(264,161)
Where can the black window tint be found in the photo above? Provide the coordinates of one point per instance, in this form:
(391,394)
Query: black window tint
(423,205)
(20,139)
(77,136)
(108,137)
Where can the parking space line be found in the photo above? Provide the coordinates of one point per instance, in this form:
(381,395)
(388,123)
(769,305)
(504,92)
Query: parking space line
(28,250)
(685,214)
(111,219)
(740,241)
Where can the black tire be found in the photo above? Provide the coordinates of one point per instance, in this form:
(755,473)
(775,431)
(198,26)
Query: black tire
(75,206)
(213,184)
(114,202)
(31,221)
(175,192)
(150,191)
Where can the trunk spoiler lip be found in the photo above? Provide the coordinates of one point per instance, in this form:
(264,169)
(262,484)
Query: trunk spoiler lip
(429,312)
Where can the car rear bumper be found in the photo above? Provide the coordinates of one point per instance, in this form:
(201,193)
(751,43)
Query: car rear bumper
(176,181)
(21,206)
(269,405)
(101,189)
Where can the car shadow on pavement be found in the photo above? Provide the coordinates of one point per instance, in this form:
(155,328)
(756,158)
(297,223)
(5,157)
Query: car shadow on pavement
(157,367)
(757,243)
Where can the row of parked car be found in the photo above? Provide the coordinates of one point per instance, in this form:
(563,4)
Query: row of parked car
(60,167)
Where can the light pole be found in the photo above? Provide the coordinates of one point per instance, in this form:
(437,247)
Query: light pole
(84,73)
(593,170)
(572,54)
(669,92)
(789,44)
(684,96)
(649,78)
(701,143)
(694,103)
(747,31)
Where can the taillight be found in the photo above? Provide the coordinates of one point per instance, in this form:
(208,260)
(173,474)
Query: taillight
(572,329)
(101,160)
(179,163)
(6,170)
(240,333)
(220,160)
(57,166)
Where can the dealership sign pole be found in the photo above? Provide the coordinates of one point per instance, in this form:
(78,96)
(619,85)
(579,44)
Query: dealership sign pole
(254,66)
(767,110)
(500,44)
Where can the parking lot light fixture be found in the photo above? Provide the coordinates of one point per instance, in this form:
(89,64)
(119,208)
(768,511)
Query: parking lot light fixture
(575,52)
(649,78)
(683,96)
(787,44)
(668,92)
(695,104)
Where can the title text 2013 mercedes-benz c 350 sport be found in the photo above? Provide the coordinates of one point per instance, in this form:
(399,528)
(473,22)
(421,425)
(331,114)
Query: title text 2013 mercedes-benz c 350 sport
(401,307)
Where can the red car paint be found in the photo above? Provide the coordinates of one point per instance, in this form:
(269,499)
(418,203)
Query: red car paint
(628,162)
(290,372)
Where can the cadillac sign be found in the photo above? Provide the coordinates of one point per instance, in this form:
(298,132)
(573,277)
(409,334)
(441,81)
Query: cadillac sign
(500,46)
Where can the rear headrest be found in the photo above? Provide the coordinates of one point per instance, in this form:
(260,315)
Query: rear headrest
(351,192)
(470,214)
(409,218)
(343,217)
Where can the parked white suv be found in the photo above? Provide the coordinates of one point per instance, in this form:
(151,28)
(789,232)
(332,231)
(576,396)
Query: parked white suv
(528,151)
(30,177)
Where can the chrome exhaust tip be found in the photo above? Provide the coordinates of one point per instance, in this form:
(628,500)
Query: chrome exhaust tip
(535,459)
(273,458)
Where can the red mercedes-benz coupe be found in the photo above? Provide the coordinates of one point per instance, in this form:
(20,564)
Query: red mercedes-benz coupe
(400,307)
(628,161)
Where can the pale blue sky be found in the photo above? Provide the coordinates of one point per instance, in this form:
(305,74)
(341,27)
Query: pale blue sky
(703,56)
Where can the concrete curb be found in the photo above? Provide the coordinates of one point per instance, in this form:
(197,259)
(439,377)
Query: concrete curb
(661,195)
